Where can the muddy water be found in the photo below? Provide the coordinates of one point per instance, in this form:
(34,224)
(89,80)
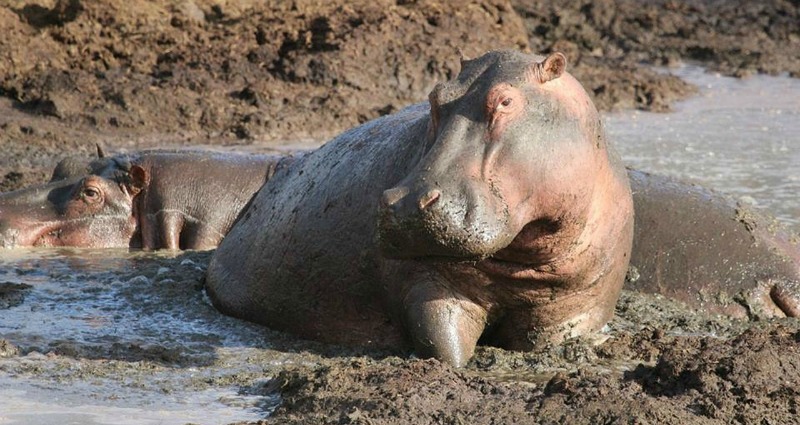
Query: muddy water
(740,136)
(112,337)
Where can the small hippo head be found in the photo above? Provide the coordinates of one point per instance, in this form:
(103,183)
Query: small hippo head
(510,156)
(85,204)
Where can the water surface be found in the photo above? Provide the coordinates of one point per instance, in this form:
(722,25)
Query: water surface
(740,136)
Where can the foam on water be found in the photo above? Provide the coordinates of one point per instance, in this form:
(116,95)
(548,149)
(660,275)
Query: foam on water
(112,337)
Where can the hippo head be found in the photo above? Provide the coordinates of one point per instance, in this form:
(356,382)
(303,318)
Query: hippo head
(509,159)
(85,204)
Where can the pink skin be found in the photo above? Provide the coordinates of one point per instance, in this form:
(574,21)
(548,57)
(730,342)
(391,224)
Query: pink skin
(571,213)
(500,215)
(567,229)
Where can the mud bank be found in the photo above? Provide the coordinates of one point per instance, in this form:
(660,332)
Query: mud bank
(661,364)
(682,379)
(136,74)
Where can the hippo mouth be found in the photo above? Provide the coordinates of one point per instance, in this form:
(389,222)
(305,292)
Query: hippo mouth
(30,234)
(45,234)
(513,270)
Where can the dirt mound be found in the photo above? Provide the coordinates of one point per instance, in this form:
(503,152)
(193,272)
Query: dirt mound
(748,379)
(607,41)
(135,74)
(271,70)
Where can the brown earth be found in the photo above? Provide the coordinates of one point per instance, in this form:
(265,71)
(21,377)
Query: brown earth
(639,376)
(135,74)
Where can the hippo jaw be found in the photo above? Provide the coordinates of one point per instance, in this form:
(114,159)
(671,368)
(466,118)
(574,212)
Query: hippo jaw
(116,231)
(28,234)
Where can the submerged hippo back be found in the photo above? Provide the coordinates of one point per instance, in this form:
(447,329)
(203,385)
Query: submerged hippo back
(700,247)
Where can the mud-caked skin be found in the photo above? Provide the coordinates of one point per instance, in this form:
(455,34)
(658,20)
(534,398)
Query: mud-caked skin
(495,211)
(700,247)
(150,200)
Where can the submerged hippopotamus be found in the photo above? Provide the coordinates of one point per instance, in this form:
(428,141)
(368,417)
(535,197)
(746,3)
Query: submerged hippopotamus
(150,200)
(698,246)
(497,211)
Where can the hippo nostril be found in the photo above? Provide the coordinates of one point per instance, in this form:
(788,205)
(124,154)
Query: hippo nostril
(391,196)
(429,198)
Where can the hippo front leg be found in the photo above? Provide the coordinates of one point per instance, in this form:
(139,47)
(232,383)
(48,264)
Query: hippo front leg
(162,230)
(771,298)
(442,323)
(786,296)
(172,224)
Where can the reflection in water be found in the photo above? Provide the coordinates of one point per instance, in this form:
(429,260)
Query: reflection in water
(738,136)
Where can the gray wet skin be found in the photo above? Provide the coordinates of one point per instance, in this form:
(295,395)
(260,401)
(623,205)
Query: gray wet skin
(495,211)
(150,200)
(714,254)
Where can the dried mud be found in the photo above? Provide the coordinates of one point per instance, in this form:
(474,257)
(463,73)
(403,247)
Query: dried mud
(136,74)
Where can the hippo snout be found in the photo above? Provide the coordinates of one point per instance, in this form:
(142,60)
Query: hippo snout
(396,199)
(431,222)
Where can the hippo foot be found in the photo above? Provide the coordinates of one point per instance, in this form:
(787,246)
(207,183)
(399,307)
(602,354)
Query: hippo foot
(443,324)
(772,298)
(786,296)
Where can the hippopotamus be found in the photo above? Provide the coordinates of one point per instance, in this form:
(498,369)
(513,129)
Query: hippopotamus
(703,248)
(496,211)
(149,200)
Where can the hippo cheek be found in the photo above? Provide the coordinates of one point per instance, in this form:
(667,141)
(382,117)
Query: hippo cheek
(432,223)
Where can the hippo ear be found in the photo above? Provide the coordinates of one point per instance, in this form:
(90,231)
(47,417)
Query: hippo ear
(552,67)
(139,179)
(100,152)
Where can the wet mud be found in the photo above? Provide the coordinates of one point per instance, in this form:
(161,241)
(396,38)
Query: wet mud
(132,333)
(661,372)
(135,330)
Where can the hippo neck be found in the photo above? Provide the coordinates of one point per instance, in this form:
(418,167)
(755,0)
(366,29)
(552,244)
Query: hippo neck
(548,254)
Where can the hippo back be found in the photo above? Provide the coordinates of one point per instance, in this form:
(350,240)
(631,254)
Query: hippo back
(310,234)
(709,251)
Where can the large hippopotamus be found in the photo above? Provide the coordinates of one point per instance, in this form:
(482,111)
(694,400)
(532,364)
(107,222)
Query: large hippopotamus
(700,247)
(496,211)
(150,200)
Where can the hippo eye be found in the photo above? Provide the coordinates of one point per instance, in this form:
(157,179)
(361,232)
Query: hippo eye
(504,104)
(90,194)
